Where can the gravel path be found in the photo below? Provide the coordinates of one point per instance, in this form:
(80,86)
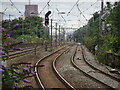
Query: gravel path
(76,78)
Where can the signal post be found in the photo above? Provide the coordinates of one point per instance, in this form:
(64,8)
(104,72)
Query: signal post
(47,28)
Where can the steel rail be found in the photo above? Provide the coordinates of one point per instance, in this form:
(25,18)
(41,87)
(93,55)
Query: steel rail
(36,70)
(59,75)
(86,60)
(75,65)
(24,52)
(18,54)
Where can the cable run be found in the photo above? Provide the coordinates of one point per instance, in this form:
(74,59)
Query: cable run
(61,15)
(89,7)
(12,4)
(73,7)
(45,6)
(81,12)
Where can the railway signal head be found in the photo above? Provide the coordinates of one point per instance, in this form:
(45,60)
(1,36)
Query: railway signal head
(105,15)
(46,21)
(47,17)
(48,13)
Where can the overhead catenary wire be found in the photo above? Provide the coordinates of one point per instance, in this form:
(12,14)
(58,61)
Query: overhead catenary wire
(45,6)
(5,10)
(61,15)
(72,7)
(12,4)
(12,15)
(90,7)
(81,12)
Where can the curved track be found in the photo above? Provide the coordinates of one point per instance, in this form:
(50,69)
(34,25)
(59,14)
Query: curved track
(83,65)
(102,71)
(47,76)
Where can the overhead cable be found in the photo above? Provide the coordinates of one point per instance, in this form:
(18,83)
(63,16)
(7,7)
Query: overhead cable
(81,12)
(61,15)
(90,6)
(72,8)
(12,4)
(45,6)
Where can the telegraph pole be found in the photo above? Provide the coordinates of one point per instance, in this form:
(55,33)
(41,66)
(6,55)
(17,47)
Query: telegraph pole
(59,34)
(9,21)
(101,13)
(100,24)
(100,21)
(37,30)
(1,16)
(47,28)
(56,34)
(22,26)
(64,37)
(102,4)
(51,34)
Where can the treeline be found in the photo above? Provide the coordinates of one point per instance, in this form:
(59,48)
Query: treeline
(105,44)
(30,29)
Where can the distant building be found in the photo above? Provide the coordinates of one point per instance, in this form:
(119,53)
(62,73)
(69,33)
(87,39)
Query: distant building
(31,10)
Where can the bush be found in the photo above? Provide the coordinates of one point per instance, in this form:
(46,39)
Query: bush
(108,46)
(90,43)
(30,39)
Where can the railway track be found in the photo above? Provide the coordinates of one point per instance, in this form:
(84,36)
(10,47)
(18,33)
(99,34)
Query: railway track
(86,60)
(21,53)
(47,76)
(81,63)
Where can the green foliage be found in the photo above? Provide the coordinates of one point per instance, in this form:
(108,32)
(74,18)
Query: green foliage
(110,45)
(29,26)
(107,41)
(110,41)
(30,39)
(90,42)
(11,76)
(114,20)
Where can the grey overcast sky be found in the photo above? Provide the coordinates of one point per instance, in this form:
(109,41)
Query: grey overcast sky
(74,19)
(59,0)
